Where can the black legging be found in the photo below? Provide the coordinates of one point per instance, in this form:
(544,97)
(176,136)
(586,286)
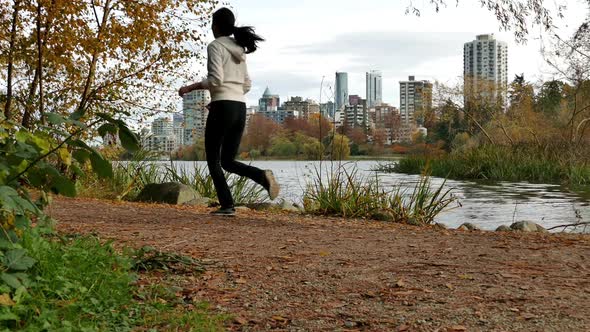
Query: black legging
(223,133)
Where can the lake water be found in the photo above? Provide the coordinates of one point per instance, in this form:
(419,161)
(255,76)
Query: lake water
(487,205)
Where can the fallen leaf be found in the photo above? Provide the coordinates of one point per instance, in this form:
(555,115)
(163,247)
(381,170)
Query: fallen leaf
(6,300)
(449,286)
(403,328)
(278,318)
(402,293)
(458,328)
(466,277)
(241,281)
(325,253)
(529,316)
(514,309)
(400,284)
(241,320)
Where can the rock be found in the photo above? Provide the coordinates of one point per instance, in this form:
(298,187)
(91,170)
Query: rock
(527,226)
(171,193)
(382,215)
(261,206)
(468,227)
(503,228)
(440,226)
(289,207)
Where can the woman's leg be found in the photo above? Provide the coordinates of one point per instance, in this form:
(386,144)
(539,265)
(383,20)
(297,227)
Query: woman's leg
(214,136)
(236,114)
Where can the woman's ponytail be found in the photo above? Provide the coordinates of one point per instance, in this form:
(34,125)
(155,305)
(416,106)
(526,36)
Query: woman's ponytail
(225,22)
(247,38)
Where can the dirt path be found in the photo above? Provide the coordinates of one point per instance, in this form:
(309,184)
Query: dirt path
(291,273)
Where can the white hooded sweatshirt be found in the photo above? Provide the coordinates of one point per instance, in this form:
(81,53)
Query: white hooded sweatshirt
(227,77)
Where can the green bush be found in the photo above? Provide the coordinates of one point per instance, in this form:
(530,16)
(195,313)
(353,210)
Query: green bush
(500,163)
(345,193)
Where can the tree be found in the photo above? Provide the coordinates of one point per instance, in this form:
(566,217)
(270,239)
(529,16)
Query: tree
(259,133)
(281,146)
(113,56)
(357,135)
(340,147)
(549,99)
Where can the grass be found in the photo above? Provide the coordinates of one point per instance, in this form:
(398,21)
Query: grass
(500,164)
(131,177)
(347,194)
(82,284)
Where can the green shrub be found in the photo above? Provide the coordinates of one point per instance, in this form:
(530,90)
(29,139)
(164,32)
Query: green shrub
(345,193)
(500,164)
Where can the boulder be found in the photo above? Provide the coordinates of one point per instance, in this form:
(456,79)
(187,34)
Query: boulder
(527,226)
(503,228)
(171,193)
(468,227)
(261,206)
(289,207)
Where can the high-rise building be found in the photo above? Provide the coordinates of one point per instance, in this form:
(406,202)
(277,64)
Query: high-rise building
(374,88)
(357,115)
(354,100)
(195,111)
(162,127)
(415,97)
(178,123)
(269,102)
(328,109)
(161,139)
(341,90)
(485,68)
(305,108)
(382,114)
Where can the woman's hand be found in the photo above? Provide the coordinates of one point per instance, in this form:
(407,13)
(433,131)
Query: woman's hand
(184,90)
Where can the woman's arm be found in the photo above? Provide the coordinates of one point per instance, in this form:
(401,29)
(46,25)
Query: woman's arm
(214,71)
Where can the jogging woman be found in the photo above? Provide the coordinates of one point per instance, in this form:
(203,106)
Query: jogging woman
(228,81)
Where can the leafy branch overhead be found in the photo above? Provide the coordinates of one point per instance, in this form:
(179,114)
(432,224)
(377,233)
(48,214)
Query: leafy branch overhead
(516,15)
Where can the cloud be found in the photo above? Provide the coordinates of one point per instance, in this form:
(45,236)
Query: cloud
(389,51)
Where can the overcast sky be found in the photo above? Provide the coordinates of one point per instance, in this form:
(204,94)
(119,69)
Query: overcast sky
(310,39)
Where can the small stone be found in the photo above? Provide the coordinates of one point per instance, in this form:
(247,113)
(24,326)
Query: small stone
(289,207)
(349,324)
(441,226)
(503,228)
(382,215)
(468,227)
(527,226)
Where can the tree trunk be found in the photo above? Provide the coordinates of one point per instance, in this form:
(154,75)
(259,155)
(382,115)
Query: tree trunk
(26,122)
(40,64)
(92,70)
(7,107)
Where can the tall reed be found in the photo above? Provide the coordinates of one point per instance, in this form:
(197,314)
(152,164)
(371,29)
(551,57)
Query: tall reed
(346,193)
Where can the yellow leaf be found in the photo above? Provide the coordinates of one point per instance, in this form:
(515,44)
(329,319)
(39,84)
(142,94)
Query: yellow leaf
(6,300)
(65,156)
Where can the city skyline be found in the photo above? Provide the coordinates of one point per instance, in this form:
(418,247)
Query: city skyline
(296,57)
